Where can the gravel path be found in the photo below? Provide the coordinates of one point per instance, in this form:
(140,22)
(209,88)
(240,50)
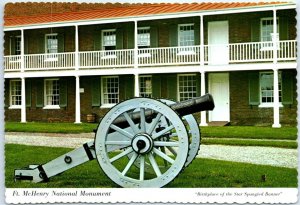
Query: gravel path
(257,155)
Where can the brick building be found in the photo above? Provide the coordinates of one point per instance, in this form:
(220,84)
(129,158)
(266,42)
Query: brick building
(64,61)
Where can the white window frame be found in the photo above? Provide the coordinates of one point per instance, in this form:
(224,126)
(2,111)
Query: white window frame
(270,104)
(144,35)
(145,93)
(14,38)
(179,34)
(46,105)
(13,106)
(51,56)
(104,103)
(268,45)
(178,86)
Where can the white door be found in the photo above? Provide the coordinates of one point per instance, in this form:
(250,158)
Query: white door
(219,89)
(218,40)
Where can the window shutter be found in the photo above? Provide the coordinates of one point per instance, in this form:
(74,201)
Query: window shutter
(287,87)
(130,36)
(172,87)
(28,92)
(12,45)
(61,42)
(153,37)
(96,93)
(119,38)
(283,29)
(63,93)
(97,40)
(254,88)
(42,43)
(198,84)
(39,92)
(129,85)
(173,35)
(25,45)
(255,30)
(6,93)
(156,86)
(197,33)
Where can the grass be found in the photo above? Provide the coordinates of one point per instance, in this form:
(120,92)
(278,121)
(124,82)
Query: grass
(250,132)
(249,142)
(50,127)
(228,135)
(201,173)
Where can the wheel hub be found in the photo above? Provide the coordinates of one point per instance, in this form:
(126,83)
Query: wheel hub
(142,143)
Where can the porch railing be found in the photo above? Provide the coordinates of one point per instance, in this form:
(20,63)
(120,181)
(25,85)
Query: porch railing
(115,58)
(190,55)
(50,61)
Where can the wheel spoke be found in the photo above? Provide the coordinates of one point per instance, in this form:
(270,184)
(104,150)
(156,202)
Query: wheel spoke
(166,144)
(117,142)
(130,163)
(122,154)
(131,123)
(156,135)
(143,120)
(172,151)
(142,168)
(163,155)
(154,165)
(154,123)
(163,150)
(121,131)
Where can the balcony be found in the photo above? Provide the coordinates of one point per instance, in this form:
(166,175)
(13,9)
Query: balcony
(253,52)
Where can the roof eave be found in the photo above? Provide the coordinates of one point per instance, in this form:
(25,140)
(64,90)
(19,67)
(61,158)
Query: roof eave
(155,16)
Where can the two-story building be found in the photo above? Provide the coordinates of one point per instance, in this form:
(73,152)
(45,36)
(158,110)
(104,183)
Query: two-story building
(64,61)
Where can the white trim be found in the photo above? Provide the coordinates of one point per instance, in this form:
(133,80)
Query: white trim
(10,93)
(154,17)
(178,34)
(46,42)
(51,107)
(178,76)
(269,105)
(12,107)
(108,105)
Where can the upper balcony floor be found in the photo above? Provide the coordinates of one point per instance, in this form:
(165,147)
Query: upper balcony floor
(195,40)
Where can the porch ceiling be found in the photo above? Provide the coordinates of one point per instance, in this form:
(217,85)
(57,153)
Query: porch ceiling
(127,10)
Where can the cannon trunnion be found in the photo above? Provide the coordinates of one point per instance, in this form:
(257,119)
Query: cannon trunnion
(140,142)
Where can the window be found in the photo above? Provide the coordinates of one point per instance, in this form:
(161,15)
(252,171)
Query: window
(187,87)
(15,45)
(146,86)
(51,45)
(51,93)
(15,93)
(266,88)
(266,28)
(110,90)
(186,35)
(143,38)
(109,39)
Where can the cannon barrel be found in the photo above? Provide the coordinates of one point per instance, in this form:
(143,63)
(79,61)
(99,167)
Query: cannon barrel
(183,108)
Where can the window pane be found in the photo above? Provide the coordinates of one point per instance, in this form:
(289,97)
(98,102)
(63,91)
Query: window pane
(110,90)
(15,92)
(51,92)
(187,87)
(267,87)
(146,86)
(186,35)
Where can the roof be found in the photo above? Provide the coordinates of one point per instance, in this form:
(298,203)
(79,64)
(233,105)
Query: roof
(131,10)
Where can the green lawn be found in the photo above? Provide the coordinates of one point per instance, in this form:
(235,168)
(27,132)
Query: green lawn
(201,173)
(228,135)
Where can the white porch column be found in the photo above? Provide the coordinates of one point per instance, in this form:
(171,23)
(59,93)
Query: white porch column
(201,42)
(76,48)
(203,113)
(274,39)
(276,100)
(136,75)
(77,101)
(23,100)
(22,51)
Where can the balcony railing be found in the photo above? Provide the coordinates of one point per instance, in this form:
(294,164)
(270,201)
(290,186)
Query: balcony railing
(189,55)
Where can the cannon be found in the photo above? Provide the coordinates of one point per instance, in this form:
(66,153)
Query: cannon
(140,142)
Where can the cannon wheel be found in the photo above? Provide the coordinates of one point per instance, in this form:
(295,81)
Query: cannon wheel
(194,131)
(141,141)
